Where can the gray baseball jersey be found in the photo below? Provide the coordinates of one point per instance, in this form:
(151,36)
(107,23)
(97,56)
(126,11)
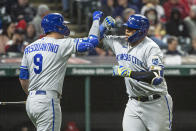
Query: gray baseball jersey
(138,58)
(46,61)
(152,115)
(44,64)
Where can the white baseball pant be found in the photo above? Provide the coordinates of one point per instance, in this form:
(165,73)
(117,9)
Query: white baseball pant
(154,115)
(44,110)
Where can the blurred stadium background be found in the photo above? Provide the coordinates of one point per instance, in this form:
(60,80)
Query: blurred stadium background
(92,99)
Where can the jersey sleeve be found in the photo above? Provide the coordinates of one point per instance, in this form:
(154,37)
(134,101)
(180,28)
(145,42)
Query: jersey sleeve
(155,57)
(24,72)
(68,47)
(108,42)
(155,64)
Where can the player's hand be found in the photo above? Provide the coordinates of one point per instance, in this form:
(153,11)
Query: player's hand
(121,71)
(97,15)
(109,22)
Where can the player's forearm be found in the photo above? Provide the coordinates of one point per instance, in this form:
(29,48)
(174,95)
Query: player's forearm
(150,77)
(25,85)
(154,77)
(102,30)
(94,29)
(143,76)
(92,41)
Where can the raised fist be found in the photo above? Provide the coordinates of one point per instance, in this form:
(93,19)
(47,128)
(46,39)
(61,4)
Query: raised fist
(109,22)
(97,15)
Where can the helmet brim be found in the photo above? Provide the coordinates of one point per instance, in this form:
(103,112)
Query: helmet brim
(127,26)
(66,22)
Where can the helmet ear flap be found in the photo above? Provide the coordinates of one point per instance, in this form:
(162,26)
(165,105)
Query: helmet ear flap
(134,37)
(143,32)
(139,34)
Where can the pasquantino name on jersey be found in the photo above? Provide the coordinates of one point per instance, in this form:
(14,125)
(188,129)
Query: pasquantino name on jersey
(42,47)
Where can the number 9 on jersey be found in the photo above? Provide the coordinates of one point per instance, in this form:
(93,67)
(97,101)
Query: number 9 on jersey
(38,62)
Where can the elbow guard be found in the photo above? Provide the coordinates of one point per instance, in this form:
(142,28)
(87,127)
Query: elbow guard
(86,44)
(93,40)
(158,72)
(157,79)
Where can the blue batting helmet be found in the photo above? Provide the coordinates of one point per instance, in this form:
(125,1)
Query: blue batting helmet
(140,23)
(54,22)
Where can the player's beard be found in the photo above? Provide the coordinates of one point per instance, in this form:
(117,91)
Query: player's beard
(126,37)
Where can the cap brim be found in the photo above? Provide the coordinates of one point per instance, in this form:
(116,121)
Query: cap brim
(128,26)
(66,22)
(125,24)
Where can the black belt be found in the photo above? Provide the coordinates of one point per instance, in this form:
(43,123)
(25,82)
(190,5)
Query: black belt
(146,98)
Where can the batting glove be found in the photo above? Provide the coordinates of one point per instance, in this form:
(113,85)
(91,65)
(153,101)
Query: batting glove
(121,71)
(97,15)
(109,22)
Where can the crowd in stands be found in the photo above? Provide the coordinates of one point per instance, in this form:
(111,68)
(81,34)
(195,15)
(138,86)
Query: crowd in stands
(20,24)
(172,23)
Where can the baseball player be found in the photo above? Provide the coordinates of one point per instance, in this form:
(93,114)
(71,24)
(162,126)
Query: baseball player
(149,107)
(43,69)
